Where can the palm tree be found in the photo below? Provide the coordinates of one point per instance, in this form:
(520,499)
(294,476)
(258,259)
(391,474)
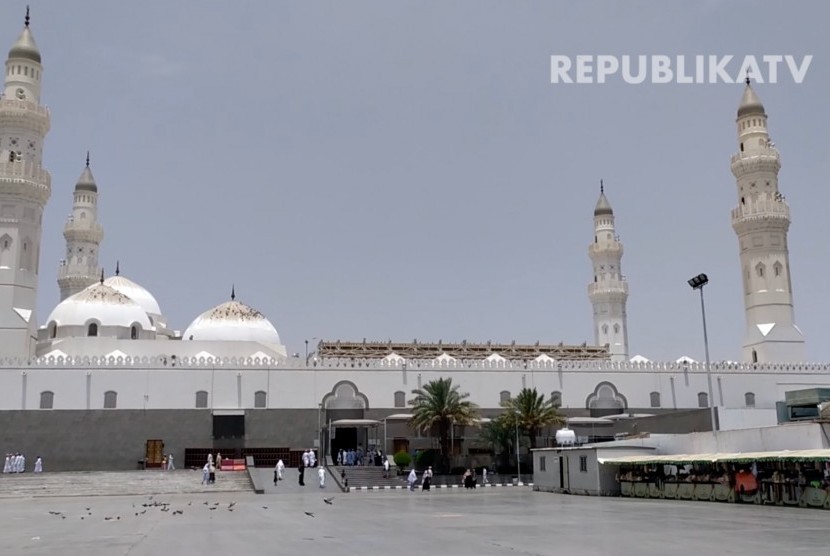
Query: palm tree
(439,405)
(498,434)
(533,412)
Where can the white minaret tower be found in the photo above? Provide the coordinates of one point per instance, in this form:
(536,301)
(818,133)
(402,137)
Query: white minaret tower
(25,187)
(83,236)
(609,290)
(761,221)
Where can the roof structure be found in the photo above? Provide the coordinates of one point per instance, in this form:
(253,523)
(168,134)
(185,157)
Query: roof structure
(463,350)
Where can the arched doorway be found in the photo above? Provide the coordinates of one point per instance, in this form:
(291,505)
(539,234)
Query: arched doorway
(346,406)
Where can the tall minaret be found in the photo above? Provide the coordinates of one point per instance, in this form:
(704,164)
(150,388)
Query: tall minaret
(609,290)
(761,221)
(25,187)
(83,236)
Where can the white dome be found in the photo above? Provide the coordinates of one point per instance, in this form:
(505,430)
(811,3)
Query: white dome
(102,304)
(235,322)
(135,292)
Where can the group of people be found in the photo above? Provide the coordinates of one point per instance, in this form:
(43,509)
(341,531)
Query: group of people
(16,463)
(167,463)
(352,457)
(209,470)
(426,479)
(308,459)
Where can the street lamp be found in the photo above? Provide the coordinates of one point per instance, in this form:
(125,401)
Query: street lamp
(697,283)
(518,468)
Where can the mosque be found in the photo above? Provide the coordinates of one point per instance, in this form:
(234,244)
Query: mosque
(106,368)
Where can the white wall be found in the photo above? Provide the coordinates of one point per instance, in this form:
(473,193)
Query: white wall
(149,384)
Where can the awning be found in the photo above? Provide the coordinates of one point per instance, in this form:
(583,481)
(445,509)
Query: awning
(737,457)
(355,423)
(399,417)
(219,412)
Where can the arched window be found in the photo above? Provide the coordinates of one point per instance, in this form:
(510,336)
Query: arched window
(201,399)
(654,398)
(53,330)
(6,251)
(400,399)
(749,399)
(134,332)
(47,399)
(110,399)
(259,399)
(754,356)
(703,399)
(504,396)
(92,329)
(556,398)
(616,329)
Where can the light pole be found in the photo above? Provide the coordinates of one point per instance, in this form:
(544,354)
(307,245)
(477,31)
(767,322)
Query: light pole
(518,468)
(697,283)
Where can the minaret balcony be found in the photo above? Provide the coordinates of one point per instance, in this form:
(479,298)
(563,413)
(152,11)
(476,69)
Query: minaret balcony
(602,247)
(80,231)
(760,210)
(768,152)
(16,112)
(613,288)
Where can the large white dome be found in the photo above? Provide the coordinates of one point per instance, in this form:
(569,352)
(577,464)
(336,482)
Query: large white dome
(135,292)
(235,322)
(102,304)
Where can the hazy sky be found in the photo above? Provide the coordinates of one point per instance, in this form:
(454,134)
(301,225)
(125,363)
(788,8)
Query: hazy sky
(400,170)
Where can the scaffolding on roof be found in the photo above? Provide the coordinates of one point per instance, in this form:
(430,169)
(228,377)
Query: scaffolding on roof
(462,350)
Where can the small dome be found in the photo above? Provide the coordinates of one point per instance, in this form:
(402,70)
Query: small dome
(235,322)
(603,206)
(25,47)
(100,303)
(135,292)
(750,103)
(86,182)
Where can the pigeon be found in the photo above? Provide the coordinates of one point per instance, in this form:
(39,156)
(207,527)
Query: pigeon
(178,512)
(264,507)
(329,501)
(189,503)
(213,508)
(309,514)
(231,505)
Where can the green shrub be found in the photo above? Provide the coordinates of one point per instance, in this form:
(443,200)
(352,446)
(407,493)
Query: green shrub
(402,459)
(426,459)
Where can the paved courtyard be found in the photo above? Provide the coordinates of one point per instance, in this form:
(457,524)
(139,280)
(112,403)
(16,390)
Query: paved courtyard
(459,522)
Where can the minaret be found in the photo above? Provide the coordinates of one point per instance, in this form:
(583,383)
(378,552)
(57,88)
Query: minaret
(761,221)
(25,187)
(609,290)
(83,236)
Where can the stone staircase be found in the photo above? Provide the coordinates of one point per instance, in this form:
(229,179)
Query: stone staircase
(113,483)
(359,476)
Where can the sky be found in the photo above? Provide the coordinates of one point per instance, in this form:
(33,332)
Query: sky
(407,170)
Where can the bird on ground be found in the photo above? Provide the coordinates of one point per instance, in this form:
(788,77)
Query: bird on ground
(329,501)
(264,507)
(309,514)
(231,505)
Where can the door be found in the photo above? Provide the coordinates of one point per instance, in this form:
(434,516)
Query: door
(343,439)
(564,480)
(154,453)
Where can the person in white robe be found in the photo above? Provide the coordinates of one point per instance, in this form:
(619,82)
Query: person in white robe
(484,480)
(312,458)
(210,459)
(306,459)
(170,466)
(206,474)
(39,465)
(7,466)
(321,473)
(218,461)
(412,479)
(21,466)
(280,469)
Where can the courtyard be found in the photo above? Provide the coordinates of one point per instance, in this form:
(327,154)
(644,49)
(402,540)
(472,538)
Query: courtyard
(454,521)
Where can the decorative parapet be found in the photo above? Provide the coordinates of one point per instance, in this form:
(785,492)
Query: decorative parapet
(162,363)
